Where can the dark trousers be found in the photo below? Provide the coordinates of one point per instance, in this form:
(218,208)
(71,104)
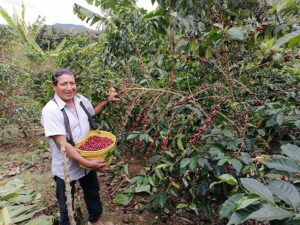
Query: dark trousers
(90,186)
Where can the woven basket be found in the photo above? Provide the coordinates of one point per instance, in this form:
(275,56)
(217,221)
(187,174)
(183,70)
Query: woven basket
(103,154)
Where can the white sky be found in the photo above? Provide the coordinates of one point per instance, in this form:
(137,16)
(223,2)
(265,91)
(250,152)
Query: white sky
(55,11)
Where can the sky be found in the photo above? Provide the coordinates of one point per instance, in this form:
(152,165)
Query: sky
(55,11)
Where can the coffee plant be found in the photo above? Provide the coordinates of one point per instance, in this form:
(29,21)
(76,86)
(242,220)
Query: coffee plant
(209,103)
(207,87)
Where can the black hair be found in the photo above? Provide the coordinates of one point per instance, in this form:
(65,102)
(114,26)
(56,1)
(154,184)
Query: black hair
(60,72)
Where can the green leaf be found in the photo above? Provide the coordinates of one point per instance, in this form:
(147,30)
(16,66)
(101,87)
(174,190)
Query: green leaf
(181,206)
(19,212)
(164,165)
(19,209)
(143,188)
(233,144)
(291,37)
(193,164)
(236,164)
(41,220)
(229,205)
(34,45)
(267,212)
(283,164)
(286,192)
(22,198)
(246,201)
(123,199)
(261,132)
(204,164)
(129,190)
(241,216)
(133,136)
(262,213)
(162,199)
(151,181)
(60,46)
(158,199)
(10,189)
(246,158)
(184,162)
(236,33)
(223,161)
(20,27)
(285,7)
(215,131)
(292,151)
(195,110)
(229,179)
(166,210)
(209,38)
(216,151)
(6,217)
(179,142)
(228,133)
(145,137)
(7,18)
(159,173)
(26,216)
(87,15)
(256,187)
(194,208)
(138,180)
(280,119)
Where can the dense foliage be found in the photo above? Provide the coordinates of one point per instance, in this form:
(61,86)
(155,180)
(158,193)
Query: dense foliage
(210,103)
(208,87)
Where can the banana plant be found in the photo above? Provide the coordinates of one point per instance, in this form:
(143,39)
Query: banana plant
(19,25)
(20,205)
(105,6)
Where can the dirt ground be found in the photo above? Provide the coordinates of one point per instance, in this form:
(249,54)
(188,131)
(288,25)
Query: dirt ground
(29,159)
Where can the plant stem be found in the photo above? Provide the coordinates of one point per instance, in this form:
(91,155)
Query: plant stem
(225,117)
(68,186)
(154,89)
(172,92)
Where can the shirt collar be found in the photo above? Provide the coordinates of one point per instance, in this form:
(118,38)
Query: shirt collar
(61,104)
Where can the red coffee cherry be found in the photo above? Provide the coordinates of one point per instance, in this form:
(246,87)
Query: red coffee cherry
(95,143)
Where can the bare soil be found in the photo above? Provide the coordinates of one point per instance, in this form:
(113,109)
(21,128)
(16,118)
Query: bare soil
(29,160)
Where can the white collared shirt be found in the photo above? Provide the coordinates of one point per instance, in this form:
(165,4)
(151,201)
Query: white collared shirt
(53,122)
